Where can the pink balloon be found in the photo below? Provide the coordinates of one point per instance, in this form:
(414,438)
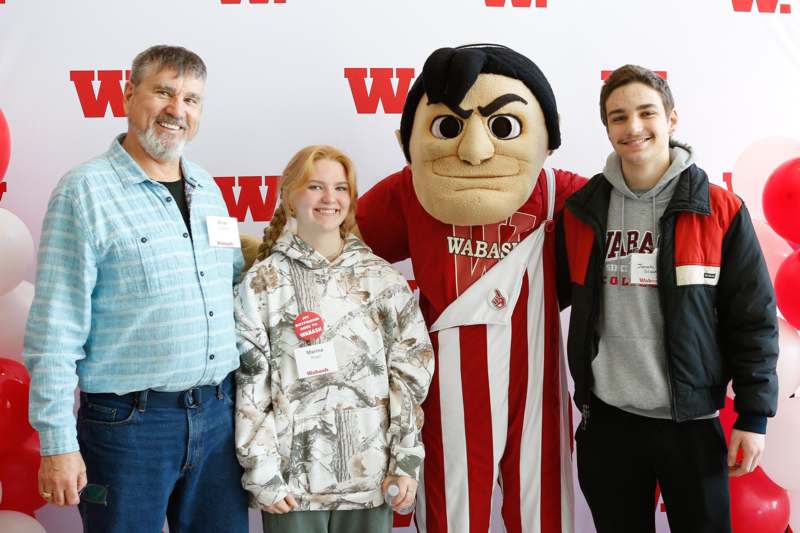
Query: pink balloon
(14,307)
(788,360)
(5,145)
(781,199)
(14,522)
(781,459)
(755,164)
(773,246)
(787,289)
(794,519)
(16,246)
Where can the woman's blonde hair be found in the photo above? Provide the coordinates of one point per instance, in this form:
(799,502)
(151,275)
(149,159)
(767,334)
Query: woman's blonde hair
(295,176)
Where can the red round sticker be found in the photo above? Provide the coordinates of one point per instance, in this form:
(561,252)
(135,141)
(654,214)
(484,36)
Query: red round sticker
(308,326)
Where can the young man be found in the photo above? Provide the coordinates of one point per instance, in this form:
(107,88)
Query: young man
(670,299)
(134,297)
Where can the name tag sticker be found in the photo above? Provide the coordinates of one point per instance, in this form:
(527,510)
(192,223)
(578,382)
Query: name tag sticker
(223,232)
(315,360)
(643,269)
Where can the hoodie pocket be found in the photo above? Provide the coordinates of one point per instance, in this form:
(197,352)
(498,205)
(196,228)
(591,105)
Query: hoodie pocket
(341,451)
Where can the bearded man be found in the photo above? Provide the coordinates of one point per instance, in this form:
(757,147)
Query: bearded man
(134,305)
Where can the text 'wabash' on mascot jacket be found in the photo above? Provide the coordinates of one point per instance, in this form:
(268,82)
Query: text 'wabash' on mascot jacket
(330,439)
(714,290)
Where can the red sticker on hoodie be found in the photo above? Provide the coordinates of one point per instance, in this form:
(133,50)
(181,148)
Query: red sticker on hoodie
(309,326)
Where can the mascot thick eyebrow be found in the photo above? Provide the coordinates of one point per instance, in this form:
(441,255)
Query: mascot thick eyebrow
(473,211)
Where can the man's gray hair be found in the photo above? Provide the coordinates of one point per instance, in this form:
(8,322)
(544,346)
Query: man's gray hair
(162,56)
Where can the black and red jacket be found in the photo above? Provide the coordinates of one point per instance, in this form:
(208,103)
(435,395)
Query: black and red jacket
(716,297)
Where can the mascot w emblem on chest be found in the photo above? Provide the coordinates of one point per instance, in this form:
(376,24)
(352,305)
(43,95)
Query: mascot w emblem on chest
(473,211)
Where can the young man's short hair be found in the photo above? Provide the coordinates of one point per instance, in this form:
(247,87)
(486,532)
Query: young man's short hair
(635,74)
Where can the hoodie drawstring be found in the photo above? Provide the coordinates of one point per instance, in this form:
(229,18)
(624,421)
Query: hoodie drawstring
(655,226)
(623,243)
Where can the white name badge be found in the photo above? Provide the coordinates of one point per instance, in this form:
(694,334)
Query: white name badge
(643,269)
(315,360)
(223,232)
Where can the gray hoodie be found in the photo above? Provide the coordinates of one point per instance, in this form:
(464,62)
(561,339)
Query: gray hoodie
(630,369)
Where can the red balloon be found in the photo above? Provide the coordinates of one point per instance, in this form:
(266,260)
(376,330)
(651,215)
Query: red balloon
(19,470)
(774,248)
(787,289)
(758,504)
(727,417)
(781,198)
(14,386)
(5,145)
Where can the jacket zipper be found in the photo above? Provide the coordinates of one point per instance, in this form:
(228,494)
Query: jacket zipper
(588,219)
(661,269)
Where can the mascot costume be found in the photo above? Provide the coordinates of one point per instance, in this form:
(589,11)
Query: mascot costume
(474,211)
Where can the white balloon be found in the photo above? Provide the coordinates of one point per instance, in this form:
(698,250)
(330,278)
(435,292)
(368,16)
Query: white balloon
(16,250)
(754,166)
(14,307)
(781,460)
(794,506)
(788,359)
(14,522)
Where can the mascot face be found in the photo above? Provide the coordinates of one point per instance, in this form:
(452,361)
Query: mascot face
(478,164)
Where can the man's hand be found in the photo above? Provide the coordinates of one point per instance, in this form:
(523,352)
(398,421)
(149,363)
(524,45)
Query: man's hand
(752,446)
(281,507)
(61,477)
(408,491)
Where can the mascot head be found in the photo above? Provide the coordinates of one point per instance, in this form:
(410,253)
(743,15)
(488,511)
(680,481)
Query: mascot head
(476,128)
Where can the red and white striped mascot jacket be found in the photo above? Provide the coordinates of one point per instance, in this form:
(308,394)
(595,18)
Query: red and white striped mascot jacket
(497,415)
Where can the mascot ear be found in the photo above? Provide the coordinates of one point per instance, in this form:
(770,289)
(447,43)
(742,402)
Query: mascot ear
(250,246)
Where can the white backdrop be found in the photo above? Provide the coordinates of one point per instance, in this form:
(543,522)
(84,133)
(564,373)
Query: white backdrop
(277,82)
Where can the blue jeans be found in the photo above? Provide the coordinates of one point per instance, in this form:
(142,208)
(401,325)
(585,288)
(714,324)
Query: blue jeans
(154,454)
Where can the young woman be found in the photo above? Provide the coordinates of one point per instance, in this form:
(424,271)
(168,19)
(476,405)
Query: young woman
(335,362)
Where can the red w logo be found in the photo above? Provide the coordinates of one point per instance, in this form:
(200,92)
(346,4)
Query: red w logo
(515,3)
(381,91)
(109,93)
(763,6)
(500,237)
(250,198)
(3,184)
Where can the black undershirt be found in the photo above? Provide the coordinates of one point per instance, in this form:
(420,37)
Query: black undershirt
(178,192)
